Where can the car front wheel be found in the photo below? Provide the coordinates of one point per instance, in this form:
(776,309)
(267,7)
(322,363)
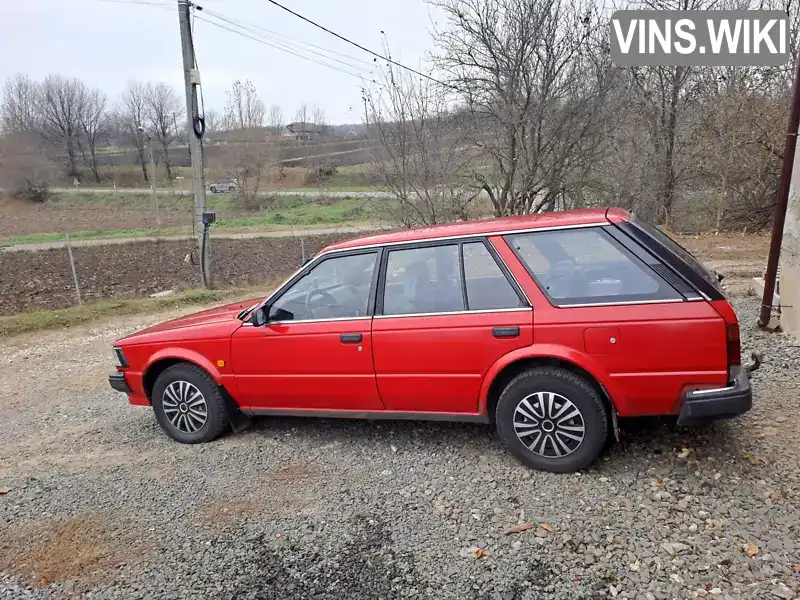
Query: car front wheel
(189,405)
(552,420)
(213,189)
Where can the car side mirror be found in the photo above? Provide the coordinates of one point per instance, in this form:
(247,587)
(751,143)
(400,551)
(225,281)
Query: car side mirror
(260,316)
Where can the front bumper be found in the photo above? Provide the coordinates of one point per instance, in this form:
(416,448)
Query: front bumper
(731,401)
(117,382)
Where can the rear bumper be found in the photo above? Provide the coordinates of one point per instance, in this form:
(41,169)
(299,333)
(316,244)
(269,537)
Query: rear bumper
(117,382)
(721,403)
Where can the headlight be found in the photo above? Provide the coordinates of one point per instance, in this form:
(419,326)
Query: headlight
(121,361)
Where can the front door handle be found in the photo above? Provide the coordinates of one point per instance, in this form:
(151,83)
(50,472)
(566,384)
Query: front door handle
(505,332)
(350,338)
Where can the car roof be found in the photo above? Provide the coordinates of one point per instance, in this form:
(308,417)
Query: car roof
(498,226)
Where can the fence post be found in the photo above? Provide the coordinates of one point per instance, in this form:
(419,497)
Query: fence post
(303,249)
(74,274)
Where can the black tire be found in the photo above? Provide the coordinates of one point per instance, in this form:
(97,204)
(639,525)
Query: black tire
(213,189)
(217,419)
(231,189)
(567,388)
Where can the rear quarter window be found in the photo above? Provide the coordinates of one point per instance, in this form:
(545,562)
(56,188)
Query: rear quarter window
(587,266)
(682,253)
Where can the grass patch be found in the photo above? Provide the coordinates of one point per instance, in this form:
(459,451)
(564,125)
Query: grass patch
(113,307)
(42,238)
(298,211)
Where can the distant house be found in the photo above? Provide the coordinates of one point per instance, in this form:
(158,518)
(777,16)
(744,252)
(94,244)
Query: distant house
(307,131)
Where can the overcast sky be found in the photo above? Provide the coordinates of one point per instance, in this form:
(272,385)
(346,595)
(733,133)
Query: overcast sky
(107,44)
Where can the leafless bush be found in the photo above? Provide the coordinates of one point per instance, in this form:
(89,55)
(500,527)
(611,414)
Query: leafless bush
(25,170)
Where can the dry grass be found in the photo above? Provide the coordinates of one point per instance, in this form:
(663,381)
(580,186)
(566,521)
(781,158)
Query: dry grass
(77,549)
(76,315)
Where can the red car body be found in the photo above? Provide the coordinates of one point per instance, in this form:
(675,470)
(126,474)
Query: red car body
(645,357)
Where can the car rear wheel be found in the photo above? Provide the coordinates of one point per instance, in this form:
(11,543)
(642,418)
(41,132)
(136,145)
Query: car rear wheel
(552,420)
(189,405)
(213,189)
(232,189)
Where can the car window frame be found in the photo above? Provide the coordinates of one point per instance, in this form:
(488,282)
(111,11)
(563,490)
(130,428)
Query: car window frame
(314,263)
(587,301)
(459,242)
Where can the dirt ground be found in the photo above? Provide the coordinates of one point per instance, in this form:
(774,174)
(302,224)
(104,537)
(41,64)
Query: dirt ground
(43,279)
(739,257)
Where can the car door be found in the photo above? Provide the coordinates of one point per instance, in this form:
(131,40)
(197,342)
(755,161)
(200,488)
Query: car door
(314,352)
(445,313)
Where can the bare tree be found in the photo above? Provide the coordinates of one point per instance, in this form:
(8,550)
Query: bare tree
(94,122)
(245,158)
(421,156)
(318,116)
(163,108)
(132,118)
(532,76)
(62,102)
(244,109)
(19,110)
(275,118)
(302,115)
(213,122)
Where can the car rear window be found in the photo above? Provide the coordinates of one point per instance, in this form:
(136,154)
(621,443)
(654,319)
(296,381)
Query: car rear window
(681,252)
(587,266)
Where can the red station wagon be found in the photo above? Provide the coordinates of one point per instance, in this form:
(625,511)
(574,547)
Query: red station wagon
(548,326)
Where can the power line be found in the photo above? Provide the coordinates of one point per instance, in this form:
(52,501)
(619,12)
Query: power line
(273,45)
(357,45)
(291,39)
(254,29)
(140,2)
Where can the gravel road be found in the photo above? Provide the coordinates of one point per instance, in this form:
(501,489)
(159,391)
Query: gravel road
(100,504)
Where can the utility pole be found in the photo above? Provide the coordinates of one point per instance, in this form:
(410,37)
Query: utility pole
(782,202)
(195,126)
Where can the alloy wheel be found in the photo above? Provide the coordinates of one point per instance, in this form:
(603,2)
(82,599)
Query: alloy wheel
(549,424)
(184,406)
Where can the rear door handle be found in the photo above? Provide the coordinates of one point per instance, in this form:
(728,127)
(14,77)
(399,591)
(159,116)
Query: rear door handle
(350,338)
(505,332)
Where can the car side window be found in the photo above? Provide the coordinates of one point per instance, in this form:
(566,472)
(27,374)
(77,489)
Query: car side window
(336,288)
(423,280)
(487,286)
(586,266)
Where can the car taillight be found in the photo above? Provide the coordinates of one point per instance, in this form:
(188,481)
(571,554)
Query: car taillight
(733,346)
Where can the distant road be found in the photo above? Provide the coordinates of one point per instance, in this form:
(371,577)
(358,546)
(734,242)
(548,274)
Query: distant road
(215,235)
(188,192)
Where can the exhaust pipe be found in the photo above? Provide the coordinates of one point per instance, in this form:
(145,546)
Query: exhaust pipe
(758,358)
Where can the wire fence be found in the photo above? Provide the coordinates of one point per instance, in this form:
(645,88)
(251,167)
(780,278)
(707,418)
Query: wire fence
(74,272)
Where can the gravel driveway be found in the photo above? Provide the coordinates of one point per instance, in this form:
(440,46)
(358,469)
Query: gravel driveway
(101,504)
